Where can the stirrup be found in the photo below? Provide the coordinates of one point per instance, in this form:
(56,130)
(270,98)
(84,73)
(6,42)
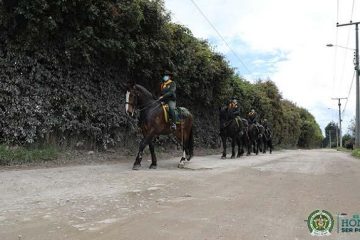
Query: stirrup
(173,126)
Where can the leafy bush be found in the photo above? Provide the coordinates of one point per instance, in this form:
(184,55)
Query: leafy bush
(65,64)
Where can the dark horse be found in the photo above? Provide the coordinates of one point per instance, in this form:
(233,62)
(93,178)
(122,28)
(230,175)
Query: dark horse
(153,123)
(256,133)
(267,138)
(235,129)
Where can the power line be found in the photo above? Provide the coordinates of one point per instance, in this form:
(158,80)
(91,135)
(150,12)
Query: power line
(222,38)
(341,77)
(352,81)
(352,9)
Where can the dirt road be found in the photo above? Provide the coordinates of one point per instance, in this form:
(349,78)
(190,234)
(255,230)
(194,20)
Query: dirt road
(257,197)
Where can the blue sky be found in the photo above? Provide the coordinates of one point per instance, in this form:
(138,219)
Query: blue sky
(286,42)
(262,63)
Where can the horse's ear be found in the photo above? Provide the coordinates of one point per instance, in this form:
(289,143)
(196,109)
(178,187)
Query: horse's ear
(130,85)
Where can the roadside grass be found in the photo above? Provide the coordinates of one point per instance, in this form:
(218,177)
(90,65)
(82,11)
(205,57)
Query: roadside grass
(342,149)
(356,152)
(21,155)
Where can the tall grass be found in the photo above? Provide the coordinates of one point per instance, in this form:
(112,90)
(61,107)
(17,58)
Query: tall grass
(356,152)
(22,155)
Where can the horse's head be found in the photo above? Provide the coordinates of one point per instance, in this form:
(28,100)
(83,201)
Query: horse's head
(137,97)
(223,112)
(131,99)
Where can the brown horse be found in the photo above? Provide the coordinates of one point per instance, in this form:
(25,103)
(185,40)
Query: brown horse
(153,123)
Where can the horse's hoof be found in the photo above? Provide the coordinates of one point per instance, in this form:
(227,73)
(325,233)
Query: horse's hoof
(232,157)
(181,165)
(188,157)
(153,166)
(223,157)
(136,167)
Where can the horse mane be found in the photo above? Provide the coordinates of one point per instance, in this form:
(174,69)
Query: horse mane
(146,92)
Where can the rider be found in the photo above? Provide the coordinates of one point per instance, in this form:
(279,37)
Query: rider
(252,117)
(168,95)
(266,126)
(265,123)
(233,108)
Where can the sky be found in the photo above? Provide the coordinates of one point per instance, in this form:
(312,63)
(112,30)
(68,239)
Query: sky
(284,41)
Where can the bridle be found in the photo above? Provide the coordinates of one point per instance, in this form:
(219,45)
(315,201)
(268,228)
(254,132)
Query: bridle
(134,103)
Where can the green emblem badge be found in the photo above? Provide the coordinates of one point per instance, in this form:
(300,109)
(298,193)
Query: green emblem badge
(320,223)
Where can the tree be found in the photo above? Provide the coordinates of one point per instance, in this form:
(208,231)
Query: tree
(347,138)
(331,133)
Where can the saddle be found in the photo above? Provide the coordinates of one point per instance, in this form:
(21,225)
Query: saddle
(237,120)
(256,125)
(178,112)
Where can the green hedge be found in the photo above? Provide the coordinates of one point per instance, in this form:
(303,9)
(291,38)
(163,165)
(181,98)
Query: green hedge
(65,64)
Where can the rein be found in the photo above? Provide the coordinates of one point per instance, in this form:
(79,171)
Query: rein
(129,103)
(143,108)
(147,106)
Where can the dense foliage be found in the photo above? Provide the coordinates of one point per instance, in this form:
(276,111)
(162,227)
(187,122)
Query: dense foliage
(331,135)
(65,64)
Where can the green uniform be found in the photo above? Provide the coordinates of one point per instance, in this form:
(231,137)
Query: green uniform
(168,94)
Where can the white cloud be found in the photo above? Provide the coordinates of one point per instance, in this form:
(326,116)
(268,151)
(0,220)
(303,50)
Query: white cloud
(308,73)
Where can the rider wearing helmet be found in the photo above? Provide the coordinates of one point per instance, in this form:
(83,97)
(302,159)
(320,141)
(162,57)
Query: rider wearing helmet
(168,95)
(265,123)
(252,117)
(233,108)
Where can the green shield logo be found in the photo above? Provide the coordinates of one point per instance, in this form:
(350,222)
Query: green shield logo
(320,223)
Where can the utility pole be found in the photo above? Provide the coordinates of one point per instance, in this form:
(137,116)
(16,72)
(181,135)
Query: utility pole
(337,136)
(340,120)
(357,117)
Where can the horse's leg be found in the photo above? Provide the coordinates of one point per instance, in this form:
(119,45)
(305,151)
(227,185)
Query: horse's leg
(144,142)
(238,141)
(243,143)
(153,156)
(233,143)
(266,145)
(270,146)
(256,147)
(263,145)
(182,160)
(249,147)
(223,139)
(189,150)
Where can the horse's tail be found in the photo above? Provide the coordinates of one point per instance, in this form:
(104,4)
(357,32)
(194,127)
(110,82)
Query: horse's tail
(190,144)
